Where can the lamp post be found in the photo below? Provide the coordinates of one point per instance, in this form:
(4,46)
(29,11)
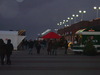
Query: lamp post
(82,12)
(70,18)
(97,9)
(56,30)
(61,23)
(65,22)
(58,25)
(75,16)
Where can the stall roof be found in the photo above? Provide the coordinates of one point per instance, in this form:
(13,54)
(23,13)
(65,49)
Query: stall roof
(51,35)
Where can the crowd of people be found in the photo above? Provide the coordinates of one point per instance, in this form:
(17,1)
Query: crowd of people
(50,45)
(31,44)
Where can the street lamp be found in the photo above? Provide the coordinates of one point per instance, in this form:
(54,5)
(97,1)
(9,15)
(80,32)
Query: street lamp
(65,22)
(58,25)
(82,12)
(75,17)
(56,30)
(61,23)
(70,18)
(97,9)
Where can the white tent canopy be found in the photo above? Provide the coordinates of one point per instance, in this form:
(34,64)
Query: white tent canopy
(13,35)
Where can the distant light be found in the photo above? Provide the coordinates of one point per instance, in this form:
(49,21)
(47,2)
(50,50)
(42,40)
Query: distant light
(98,7)
(19,0)
(63,20)
(84,11)
(80,11)
(57,23)
(60,23)
(71,18)
(56,29)
(77,15)
(95,7)
(73,15)
(66,20)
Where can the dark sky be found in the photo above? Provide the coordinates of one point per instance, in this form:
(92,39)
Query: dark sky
(35,16)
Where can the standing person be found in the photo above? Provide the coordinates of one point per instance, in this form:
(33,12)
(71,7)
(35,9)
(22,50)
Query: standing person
(2,51)
(9,49)
(38,47)
(49,47)
(25,44)
(43,44)
(54,47)
(66,46)
(30,46)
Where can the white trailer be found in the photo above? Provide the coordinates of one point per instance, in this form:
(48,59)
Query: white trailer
(13,35)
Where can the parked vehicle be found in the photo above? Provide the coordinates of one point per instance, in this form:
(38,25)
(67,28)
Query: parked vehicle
(82,36)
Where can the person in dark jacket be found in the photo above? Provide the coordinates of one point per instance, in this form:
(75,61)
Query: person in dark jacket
(38,47)
(54,47)
(49,47)
(66,46)
(9,49)
(30,45)
(2,51)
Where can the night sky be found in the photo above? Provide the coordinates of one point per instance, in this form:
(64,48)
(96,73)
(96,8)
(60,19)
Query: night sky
(35,16)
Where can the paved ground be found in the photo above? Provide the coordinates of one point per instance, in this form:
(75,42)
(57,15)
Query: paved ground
(43,64)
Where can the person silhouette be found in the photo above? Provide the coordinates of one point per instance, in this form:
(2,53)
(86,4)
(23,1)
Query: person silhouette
(2,51)
(9,49)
